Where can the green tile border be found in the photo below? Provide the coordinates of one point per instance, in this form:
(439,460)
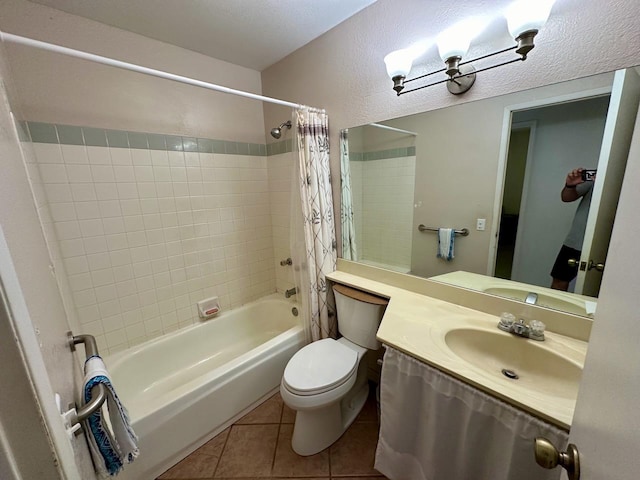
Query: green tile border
(382,154)
(43,132)
(70,135)
(40,132)
(94,137)
(138,140)
(23,131)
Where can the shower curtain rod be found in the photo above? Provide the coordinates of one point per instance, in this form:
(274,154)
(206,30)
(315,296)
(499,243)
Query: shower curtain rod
(393,129)
(9,37)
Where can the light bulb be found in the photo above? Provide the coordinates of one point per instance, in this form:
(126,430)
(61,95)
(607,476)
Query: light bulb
(527,15)
(399,63)
(455,40)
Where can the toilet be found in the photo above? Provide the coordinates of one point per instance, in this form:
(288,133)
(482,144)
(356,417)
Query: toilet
(326,381)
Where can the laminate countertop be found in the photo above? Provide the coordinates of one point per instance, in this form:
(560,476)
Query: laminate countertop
(417,325)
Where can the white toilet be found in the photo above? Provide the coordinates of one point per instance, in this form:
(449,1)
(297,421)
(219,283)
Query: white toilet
(324,381)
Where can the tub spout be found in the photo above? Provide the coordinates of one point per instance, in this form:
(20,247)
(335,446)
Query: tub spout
(291,292)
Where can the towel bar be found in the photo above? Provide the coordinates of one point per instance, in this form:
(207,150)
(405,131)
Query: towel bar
(463,232)
(91,349)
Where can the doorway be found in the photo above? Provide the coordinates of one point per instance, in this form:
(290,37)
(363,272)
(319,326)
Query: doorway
(545,143)
(519,148)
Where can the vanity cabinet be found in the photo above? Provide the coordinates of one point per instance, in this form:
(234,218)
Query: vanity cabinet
(436,427)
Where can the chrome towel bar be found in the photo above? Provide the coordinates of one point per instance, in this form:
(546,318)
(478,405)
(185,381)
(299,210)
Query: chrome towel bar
(99,392)
(463,232)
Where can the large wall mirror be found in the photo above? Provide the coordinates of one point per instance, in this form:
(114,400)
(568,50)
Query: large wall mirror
(495,167)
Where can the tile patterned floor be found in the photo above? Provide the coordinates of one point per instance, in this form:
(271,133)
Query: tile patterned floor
(258,446)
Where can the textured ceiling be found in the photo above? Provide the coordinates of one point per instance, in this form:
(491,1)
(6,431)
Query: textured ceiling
(251,33)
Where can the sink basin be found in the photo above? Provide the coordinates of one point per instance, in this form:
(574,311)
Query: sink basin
(538,369)
(544,300)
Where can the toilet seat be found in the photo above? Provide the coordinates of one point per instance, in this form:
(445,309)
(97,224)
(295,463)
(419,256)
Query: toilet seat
(320,367)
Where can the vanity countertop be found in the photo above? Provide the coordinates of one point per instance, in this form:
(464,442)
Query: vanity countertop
(417,324)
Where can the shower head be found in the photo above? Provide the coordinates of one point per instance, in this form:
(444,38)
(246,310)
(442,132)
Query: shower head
(277,132)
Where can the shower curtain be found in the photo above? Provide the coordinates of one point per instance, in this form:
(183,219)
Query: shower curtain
(316,201)
(349,251)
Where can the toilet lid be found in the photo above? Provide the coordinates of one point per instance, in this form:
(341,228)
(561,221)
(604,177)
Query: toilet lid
(319,367)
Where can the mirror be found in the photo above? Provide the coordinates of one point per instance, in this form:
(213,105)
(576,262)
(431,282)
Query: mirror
(495,167)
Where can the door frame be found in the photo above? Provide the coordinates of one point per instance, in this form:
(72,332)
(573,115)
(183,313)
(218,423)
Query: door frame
(33,362)
(504,150)
(531,126)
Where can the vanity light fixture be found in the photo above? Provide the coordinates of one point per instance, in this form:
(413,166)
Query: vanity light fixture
(524,19)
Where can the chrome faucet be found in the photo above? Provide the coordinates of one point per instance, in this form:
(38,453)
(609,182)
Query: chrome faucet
(291,292)
(534,330)
(532,298)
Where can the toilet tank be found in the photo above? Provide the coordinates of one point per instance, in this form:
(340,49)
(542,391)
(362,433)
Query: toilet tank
(359,315)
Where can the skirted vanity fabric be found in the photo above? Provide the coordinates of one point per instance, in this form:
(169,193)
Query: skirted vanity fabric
(435,427)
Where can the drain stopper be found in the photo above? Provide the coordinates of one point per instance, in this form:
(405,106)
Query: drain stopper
(510,374)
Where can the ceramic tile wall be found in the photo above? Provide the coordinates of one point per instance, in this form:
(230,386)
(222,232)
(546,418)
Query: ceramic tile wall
(145,233)
(385,211)
(279,171)
(44,214)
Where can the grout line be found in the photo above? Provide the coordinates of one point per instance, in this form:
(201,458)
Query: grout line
(275,450)
(222,451)
(329,457)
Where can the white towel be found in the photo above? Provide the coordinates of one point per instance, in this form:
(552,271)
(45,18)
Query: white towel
(113,442)
(445,243)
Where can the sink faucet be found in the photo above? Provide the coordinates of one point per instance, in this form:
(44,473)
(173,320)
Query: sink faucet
(534,330)
(532,298)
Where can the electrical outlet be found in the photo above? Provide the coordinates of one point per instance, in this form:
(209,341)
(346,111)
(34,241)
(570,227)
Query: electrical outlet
(480,224)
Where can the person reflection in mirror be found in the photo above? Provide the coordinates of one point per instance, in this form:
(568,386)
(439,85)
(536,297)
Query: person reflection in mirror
(574,188)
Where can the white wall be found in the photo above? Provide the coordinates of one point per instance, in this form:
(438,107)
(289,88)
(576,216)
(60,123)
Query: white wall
(59,89)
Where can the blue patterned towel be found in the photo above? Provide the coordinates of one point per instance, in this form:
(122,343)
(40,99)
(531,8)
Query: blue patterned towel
(112,441)
(445,243)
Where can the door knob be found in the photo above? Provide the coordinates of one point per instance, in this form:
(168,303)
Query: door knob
(547,456)
(573,262)
(598,266)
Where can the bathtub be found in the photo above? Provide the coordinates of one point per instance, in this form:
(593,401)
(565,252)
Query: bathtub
(184,388)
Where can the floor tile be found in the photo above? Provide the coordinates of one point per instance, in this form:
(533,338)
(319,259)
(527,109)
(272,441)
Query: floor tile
(289,464)
(249,451)
(288,415)
(200,464)
(369,412)
(358,477)
(269,411)
(354,453)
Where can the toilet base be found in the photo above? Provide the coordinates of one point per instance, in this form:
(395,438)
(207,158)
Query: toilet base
(327,423)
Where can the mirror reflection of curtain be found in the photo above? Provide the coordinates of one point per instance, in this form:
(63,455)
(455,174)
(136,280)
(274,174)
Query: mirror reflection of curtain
(317,210)
(349,250)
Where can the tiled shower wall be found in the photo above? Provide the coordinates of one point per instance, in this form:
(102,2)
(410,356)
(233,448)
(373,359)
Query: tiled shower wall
(279,170)
(146,225)
(383,190)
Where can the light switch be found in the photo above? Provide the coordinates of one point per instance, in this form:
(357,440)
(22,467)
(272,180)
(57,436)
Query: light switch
(480,224)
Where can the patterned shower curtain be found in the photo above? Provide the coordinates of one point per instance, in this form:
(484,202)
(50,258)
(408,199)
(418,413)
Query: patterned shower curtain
(317,211)
(349,251)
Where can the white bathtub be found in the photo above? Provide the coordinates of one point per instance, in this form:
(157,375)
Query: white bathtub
(183,388)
